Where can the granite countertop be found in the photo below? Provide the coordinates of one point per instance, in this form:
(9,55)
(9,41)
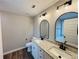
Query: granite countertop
(46,45)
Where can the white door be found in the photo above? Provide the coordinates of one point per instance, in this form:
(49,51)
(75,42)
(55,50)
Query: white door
(1,49)
(70,31)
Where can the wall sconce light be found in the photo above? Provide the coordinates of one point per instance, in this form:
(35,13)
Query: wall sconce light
(44,14)
(33,6)
(57,10)
(67,2)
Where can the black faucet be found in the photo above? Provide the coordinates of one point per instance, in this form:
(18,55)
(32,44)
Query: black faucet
(63,45)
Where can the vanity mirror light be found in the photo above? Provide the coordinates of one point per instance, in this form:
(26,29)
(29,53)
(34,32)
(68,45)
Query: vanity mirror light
(66,29)
(44,29)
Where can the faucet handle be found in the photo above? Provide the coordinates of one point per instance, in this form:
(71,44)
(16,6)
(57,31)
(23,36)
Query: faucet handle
(64,36)
(65,42)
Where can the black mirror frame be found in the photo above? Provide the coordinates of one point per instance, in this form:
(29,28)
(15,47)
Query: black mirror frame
(40,29)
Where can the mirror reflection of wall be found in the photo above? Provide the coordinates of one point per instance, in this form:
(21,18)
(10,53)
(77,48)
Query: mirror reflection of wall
(44,29)
(66,28)
(70,31)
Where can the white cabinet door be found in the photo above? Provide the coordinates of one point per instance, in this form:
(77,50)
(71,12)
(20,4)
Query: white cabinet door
(35,51)
(41,53)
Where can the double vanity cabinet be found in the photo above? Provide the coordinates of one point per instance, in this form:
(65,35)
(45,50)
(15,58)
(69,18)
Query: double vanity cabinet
(42,49)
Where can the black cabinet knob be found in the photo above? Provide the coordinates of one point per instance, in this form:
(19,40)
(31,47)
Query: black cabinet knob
(59,56)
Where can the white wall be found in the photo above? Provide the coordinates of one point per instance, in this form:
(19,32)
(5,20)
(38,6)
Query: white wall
(52,16)
(1,48)
(15,29)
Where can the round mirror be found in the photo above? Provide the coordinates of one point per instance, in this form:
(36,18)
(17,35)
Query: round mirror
(44,29)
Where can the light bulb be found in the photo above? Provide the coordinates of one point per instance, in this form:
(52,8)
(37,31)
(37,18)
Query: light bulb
(57,10)
(66,7)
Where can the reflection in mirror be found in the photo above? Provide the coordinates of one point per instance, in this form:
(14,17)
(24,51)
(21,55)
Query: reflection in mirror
(44,29)
(70,31)
(66,28)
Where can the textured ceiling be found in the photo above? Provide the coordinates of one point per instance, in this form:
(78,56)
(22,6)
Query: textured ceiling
(24,7)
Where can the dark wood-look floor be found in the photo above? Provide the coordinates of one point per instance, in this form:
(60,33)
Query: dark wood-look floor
(21,54)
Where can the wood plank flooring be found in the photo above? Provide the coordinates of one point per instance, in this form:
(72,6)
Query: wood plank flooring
(21,54)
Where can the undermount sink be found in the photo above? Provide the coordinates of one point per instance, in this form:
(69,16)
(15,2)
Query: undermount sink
(60,53)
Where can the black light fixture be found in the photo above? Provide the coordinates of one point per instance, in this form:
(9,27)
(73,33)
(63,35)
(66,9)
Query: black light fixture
(44,14)
(33,6)
(67,2)
(57,7)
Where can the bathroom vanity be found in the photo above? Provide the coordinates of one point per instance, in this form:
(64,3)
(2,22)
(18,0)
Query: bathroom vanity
(43,49)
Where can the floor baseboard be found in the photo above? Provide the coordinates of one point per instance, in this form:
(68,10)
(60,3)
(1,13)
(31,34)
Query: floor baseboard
(13,50)
(20,54)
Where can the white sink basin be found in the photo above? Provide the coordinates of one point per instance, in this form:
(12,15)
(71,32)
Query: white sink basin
(57,52)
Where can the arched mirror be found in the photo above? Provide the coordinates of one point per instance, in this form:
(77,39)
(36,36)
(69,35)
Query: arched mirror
(66,28)
(44,29)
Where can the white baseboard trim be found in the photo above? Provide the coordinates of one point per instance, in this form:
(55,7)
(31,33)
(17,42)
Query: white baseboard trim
(13,50)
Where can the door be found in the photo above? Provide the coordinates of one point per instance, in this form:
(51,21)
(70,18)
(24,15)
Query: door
(1,49)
